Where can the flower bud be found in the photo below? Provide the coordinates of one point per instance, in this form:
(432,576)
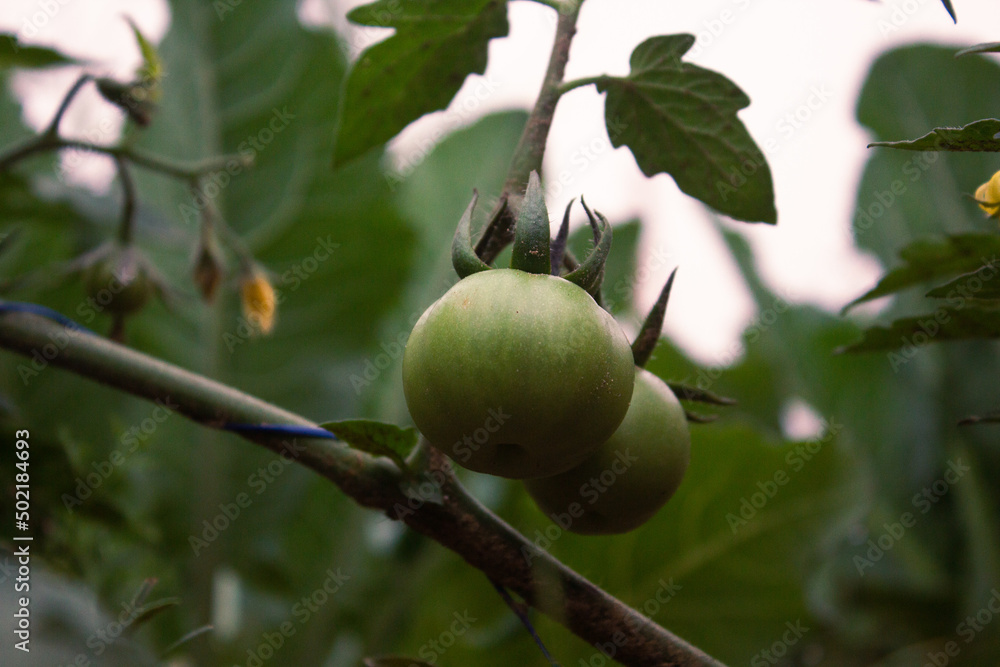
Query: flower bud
(988,196)
(259,301)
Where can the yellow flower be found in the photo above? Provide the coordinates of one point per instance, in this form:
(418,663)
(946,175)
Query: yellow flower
(259,303)
(988,194)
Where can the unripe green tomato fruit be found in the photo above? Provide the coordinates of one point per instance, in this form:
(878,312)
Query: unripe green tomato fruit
(517,374)
(632,475)
(118,283)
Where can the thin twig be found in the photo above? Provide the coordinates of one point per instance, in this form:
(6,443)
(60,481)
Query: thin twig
(127,224)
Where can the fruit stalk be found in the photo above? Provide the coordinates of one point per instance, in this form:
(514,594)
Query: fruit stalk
(531,147)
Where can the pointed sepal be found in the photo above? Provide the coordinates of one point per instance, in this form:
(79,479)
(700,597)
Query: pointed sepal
(590,274)
(531,232)
(559,243)
(645,340)
(463,254)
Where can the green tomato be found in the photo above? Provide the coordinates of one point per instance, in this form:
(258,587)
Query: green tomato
(517,374)
(629,477)
(119,283)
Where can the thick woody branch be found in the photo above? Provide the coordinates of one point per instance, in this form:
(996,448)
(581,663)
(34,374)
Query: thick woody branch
(461,523)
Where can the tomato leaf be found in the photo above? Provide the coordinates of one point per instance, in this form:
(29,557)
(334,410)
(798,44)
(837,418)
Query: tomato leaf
(437,44)
(681,119)
(985,47)
(15,54)
(977,284)
(979,137)
(944,324)
(376,438)
(929,259)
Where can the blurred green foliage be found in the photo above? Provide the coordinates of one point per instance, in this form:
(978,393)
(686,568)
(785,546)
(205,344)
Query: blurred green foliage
(776,550)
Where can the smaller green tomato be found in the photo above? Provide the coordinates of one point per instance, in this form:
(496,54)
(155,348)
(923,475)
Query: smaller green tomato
(119,283)
(629,477)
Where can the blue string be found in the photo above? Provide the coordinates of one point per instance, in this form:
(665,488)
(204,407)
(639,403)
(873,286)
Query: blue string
(42,311)
(55,316)
(303,431)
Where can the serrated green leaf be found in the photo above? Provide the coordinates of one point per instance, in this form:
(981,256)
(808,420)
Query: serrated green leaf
(976,137)
(944,324)
(681,119)
(437,44)
(906,195)
(985,47)
(930,259)
(376,438)
(15,54)
(979,285)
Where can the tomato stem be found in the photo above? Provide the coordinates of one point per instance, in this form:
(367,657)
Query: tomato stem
(531,147)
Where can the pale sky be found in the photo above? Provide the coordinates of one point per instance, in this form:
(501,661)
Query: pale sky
(802,64)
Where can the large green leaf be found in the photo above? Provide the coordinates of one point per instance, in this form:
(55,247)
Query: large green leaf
(944,324)
(977,284)
(979,136)
(437,44)
(905,196)
(931,259)
(681,119)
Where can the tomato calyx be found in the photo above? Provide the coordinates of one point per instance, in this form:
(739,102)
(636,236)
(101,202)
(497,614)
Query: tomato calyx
(533,250)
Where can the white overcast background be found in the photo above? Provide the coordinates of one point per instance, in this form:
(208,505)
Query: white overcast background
(804,59)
